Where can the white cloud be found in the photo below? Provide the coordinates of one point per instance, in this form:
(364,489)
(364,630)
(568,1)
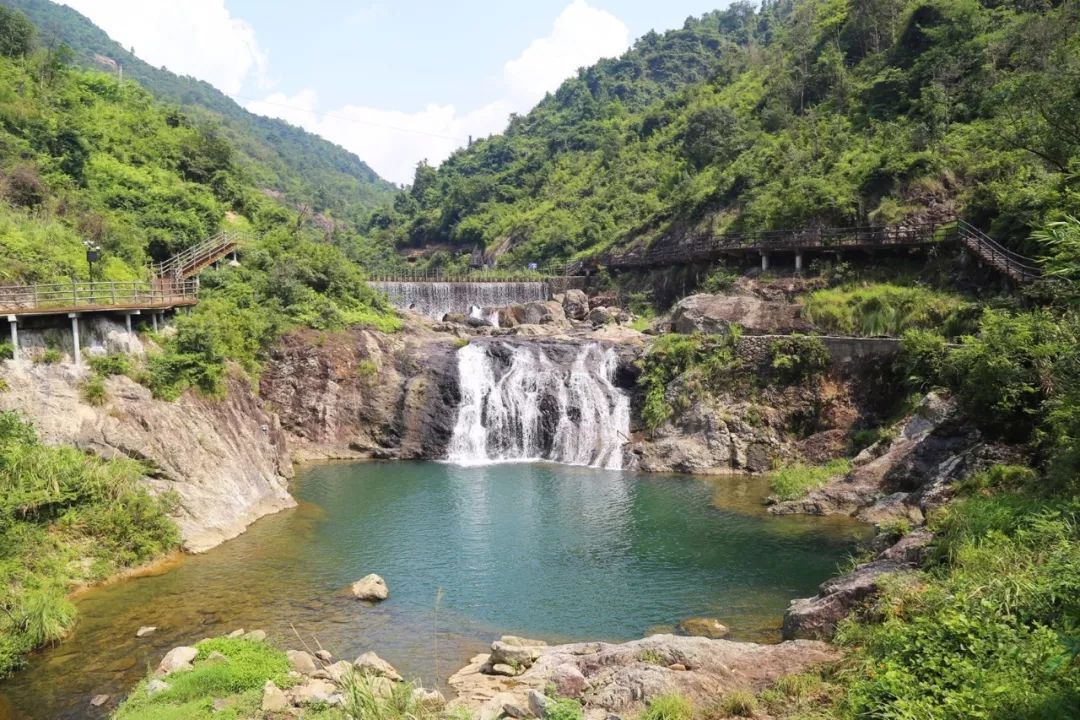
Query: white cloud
(392,142)
(195,37)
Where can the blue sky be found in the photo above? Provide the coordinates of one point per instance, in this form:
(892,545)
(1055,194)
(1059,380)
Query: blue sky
(395,82)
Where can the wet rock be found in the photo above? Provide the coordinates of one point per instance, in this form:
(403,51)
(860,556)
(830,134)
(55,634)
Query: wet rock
(371,587)
(145,630)
(909,549)
(177,659)
(703,627)
(99,700)
(255,635)
(324,655)
(273,699)
(371,664)
(816,617)
(301,662)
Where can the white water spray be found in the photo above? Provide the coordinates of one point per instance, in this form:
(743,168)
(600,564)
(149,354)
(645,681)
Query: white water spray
(519,403)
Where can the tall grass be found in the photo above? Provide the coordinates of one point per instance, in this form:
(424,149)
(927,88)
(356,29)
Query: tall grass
(885,309)
(794,481)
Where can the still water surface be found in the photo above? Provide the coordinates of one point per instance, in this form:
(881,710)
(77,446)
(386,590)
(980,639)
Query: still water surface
(550,551)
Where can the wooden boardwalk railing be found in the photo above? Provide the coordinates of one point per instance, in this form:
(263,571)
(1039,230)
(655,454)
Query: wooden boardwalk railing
(57,298)
(195,259)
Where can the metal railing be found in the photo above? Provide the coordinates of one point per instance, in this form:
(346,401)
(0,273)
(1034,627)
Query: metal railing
(190,261)
(1018,267)
(75,296)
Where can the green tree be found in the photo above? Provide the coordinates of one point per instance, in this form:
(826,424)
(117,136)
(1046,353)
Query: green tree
(17,34)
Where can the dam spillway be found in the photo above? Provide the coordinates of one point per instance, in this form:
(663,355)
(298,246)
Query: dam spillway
(436,299)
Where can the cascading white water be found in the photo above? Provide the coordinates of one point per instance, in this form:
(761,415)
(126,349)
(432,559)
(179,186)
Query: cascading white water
(436,299)
(521,402)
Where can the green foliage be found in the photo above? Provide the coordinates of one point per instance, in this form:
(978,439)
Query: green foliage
(364,702)
(111,364)
(885,309)
(699,362)
(739,703)
(93,390)
(65,518)
(668,707)
(16,33)
(808,113)
(49,356)
(798,357)
(993,630)
(367,369)
(794,481)
(561,708)
(7,350)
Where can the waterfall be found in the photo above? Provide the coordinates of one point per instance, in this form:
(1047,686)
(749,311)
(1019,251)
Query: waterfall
(436,299)
(539,402)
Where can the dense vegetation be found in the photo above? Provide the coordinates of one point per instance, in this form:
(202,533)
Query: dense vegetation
(306,169)
(84,158)
(65,518)
(808,112)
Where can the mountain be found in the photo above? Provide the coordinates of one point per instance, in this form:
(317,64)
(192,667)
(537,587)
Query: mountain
(797,113)
(280,157)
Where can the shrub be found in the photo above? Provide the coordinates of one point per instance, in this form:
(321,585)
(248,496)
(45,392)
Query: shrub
(884,309)
(367,369)
(93,390)
(563,709)
(739,703)
(795,481)
(798,357)
(7,350)
(111,364)
(701,363)
(922,358)
(49,356)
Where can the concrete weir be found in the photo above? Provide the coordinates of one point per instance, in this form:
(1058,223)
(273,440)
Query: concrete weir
(436,299)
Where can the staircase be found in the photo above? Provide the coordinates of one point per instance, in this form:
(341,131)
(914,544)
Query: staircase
(1017,267)
(195,259)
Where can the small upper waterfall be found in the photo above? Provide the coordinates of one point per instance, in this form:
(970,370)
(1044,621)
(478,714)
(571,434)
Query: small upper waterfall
(436,299)
(539,401)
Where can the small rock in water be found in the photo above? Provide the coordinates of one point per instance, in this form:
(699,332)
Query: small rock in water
(301,661)
(156,686)
(273,699)
(179,658)
(145,630)
(236,633)
(703,627)
(256,635)
(371,664)
(503,669)
(324,655)
(99,700)
(371,587)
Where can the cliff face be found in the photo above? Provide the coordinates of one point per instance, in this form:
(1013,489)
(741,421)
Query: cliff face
(225,459)
(363,393)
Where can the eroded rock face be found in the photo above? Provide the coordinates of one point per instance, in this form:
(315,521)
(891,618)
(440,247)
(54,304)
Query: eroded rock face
(816,617)
(226,459)
(611,678)
(716,313)
(363,393)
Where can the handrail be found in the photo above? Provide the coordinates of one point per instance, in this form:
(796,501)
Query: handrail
(72,296)
(197,256)
(1015,265)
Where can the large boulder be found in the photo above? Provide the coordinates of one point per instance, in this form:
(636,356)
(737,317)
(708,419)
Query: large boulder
(371,587)
(716,313)
(371,664)
(301,662)
(703,627)
(542,312)
(576,304)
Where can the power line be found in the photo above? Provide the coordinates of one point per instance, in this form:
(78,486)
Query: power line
(349,119)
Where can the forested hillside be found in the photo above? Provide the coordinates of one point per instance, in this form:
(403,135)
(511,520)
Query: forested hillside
(276,155)
(808,112)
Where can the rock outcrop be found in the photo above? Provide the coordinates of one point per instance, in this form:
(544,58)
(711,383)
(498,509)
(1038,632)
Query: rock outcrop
(226,460)
(716,313)
(622,678)
(370,587)
(362,393)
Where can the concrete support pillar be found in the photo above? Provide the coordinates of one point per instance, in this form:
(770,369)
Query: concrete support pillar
(764,261)
(75,337)
(153,317)
(798,260)
(127,323)
(14,321)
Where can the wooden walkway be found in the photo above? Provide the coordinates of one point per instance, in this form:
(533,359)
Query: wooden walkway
(175,284)
(709,248)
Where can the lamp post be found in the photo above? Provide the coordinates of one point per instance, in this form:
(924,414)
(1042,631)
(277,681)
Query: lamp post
(93,254)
